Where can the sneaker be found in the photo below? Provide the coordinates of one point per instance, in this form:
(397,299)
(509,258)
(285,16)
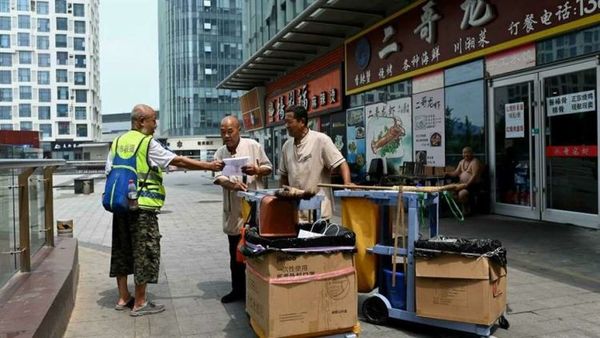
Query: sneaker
(232,297)
(148,309)
(128,305)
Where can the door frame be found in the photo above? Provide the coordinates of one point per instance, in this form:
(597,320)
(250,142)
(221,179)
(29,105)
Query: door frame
(533,211)
(564,216)
(537,144)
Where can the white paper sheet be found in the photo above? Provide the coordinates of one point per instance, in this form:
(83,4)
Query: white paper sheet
(233,166)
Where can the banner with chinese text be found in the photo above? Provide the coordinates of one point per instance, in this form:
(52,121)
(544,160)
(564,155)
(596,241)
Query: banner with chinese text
(429,35)
(429,135)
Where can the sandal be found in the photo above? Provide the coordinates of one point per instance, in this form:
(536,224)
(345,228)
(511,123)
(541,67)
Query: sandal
(128,305)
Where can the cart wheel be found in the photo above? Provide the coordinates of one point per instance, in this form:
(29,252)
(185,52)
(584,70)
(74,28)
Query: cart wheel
(375,310)
(503,322)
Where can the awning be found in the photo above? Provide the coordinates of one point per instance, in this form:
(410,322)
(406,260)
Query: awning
(320,28)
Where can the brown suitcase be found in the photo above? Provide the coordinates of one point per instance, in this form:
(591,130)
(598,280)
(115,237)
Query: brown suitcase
(278,218)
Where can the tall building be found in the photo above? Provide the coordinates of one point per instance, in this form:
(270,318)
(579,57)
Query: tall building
(200,44)
(49,76)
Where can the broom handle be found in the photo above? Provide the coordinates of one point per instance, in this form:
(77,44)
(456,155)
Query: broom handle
(403,188)
(399,209)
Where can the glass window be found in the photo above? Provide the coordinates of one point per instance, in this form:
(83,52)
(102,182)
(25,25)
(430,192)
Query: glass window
(376,95)
(63,128)
(25,92)
(79,43)
(81,95)
(62,24)
(26,125)
(45,95)
(80,27)
(62,58)
(465,120)
(5,23)
(22,5)
(5,112)
(6,59)
(463,73)
(24,21)
(25,57)
(570,45)
(79,78)
(5,94)
(24,110)
(24,75)
(23,39)
(60,6)
(43,77)
(5,77)
(80,113)
(41,7)
(61,40)
(6,126)
(43,42)
(4,6)
(62,110)
(43,25)
(82,130)
(399,89)
(78,10)
(79,61)
(4,40)
(44,112)
(43,60)
(46,130)
(62,93)
(61,75)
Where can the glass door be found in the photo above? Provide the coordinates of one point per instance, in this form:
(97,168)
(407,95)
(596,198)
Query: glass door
(513,112)
(570,143)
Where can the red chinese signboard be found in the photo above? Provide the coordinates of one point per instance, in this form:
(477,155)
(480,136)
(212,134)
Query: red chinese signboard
(318,95)
(252,109)
(572,151)
(429,35)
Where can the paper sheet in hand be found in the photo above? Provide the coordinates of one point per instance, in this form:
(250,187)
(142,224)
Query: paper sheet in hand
(233,166)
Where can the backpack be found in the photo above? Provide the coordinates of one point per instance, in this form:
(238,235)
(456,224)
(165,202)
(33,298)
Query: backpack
(116,188)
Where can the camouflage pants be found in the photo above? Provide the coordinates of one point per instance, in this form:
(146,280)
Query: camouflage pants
(136,246)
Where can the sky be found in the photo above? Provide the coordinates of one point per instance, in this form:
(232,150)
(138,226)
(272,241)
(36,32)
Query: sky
(128,54)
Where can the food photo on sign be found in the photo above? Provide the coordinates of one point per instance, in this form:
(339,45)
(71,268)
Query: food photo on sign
(355,132)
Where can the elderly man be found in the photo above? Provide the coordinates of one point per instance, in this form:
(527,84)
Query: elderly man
(308,158)
(258,165)
(468,172)
(135,235)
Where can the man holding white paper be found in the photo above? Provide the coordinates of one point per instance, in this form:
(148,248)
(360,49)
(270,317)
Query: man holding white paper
(245,162)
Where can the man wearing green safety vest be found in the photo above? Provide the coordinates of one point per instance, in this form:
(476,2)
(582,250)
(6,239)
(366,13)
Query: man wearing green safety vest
(135,235)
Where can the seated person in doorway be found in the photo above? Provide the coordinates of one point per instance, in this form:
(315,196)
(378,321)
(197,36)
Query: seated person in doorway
(468,172)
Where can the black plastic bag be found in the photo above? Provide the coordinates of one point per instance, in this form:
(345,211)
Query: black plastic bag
(491,248)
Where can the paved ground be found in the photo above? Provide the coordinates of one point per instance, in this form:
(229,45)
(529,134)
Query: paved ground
(553,272)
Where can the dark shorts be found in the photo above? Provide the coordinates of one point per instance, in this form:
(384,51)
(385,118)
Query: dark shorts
(136,246)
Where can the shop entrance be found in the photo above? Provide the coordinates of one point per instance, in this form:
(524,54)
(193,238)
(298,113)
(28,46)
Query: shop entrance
(543,145)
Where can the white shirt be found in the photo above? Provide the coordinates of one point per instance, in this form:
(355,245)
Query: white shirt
(309,163)
(232,204)
(157,155)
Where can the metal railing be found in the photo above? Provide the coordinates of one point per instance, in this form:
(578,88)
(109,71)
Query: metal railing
(26,212)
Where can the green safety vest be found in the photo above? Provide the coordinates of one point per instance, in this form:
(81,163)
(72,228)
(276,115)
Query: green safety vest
(151,192)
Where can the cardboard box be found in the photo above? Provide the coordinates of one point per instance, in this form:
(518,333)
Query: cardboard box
(288,295)
(462,289)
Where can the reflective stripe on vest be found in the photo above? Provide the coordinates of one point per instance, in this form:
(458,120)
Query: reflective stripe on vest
(151,192)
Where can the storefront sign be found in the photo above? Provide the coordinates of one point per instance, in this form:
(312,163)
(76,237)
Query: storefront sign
(429,128)
(320,94)
(571,103)
(429,35)
(389,131)
(65,145)
(572,151)
(252,107)
(515,120)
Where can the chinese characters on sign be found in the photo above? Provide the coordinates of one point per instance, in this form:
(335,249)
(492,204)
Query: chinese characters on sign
(572,151)
(430,32)
(515,120)
(316,95)
(429,129)
(571,103)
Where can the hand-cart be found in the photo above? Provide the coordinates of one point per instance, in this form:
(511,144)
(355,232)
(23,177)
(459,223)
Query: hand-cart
(378,308)
(313,206)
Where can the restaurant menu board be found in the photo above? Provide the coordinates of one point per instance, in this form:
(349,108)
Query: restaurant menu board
(429,131)
(355,119)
